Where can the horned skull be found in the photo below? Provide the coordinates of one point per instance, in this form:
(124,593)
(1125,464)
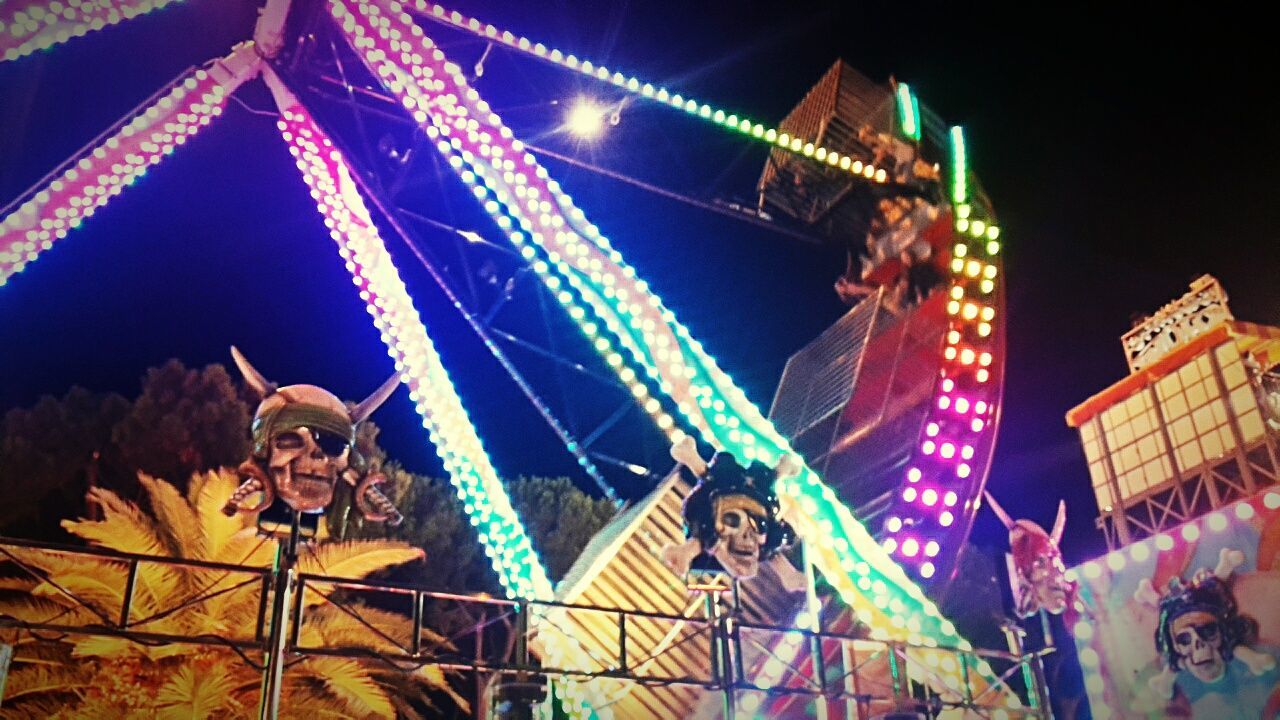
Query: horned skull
(1036,570)
(305,461)
(303,439)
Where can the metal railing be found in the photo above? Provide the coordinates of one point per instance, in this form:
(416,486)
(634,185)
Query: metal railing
(751,666)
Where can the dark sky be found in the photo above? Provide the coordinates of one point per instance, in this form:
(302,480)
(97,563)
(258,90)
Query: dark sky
(1125,156)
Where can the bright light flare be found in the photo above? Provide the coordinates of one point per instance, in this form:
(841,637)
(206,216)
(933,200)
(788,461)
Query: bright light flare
(586,119)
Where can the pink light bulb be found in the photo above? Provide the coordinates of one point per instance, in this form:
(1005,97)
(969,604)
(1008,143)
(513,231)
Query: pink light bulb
(927,570)
(980,407)
(928,447)
(894,524)
(948,385)
(947,450)
(909,494)
(966,452)
(946,518)
(962,405)
(931,548)
(963,470)
(914,474)
(931,429)
(944,402)
(950,498)
(910,547)
(929,497)
(976,425)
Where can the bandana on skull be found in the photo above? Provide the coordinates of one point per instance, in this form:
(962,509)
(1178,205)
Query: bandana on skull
(303,443)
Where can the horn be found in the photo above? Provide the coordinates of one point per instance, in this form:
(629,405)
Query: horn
(999,511)
(374,401)
(1059,523)
(251,375)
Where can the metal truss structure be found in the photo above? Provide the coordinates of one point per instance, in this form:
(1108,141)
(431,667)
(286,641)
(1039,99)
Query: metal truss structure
(1236,476)
(489,283)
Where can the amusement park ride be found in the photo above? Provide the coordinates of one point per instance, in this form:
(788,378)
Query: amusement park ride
(885,424)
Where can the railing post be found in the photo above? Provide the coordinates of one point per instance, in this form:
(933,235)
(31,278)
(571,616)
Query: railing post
(282,581)
(622,642)
(1032,669)
(416,642)
(126,604)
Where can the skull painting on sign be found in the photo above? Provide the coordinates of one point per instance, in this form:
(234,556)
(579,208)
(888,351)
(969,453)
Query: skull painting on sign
(1197,642)
(303,444)
(731,516)
(1213,664)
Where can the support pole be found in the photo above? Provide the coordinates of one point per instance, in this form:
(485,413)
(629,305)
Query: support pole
(1032,669)
(815,624)
(282,575)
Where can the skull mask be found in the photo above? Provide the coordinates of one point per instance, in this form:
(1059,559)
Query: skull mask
(305,461)
(741,524)
(303,439)
(1197,639)
(730,515)
(1036,570)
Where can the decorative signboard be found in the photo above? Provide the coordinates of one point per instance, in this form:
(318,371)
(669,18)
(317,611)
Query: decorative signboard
(1187,623)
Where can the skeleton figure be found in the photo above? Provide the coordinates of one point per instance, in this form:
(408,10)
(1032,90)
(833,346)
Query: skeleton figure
(1035,564)
(731,516)
(303,442)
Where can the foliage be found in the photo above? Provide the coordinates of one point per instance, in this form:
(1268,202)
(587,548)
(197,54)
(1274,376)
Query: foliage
(108,677)
(559,518)
(46,451)
(185,421)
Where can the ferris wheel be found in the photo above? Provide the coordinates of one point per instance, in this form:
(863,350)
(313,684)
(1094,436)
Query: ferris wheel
(887,178)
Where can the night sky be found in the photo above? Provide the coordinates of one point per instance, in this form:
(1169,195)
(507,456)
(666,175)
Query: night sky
(1124,157)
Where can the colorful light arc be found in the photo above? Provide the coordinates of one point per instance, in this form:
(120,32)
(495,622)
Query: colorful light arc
(668,371)
(454,436)
(969,355)
(86,184)
(554,232)
(40,24)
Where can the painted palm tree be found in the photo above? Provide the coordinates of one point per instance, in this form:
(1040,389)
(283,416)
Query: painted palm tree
(108,677)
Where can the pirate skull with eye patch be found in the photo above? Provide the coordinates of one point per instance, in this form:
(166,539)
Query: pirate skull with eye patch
(741,530)
(305,463)
(730,515)
(1201,629)
(303,443)
(1197,638)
